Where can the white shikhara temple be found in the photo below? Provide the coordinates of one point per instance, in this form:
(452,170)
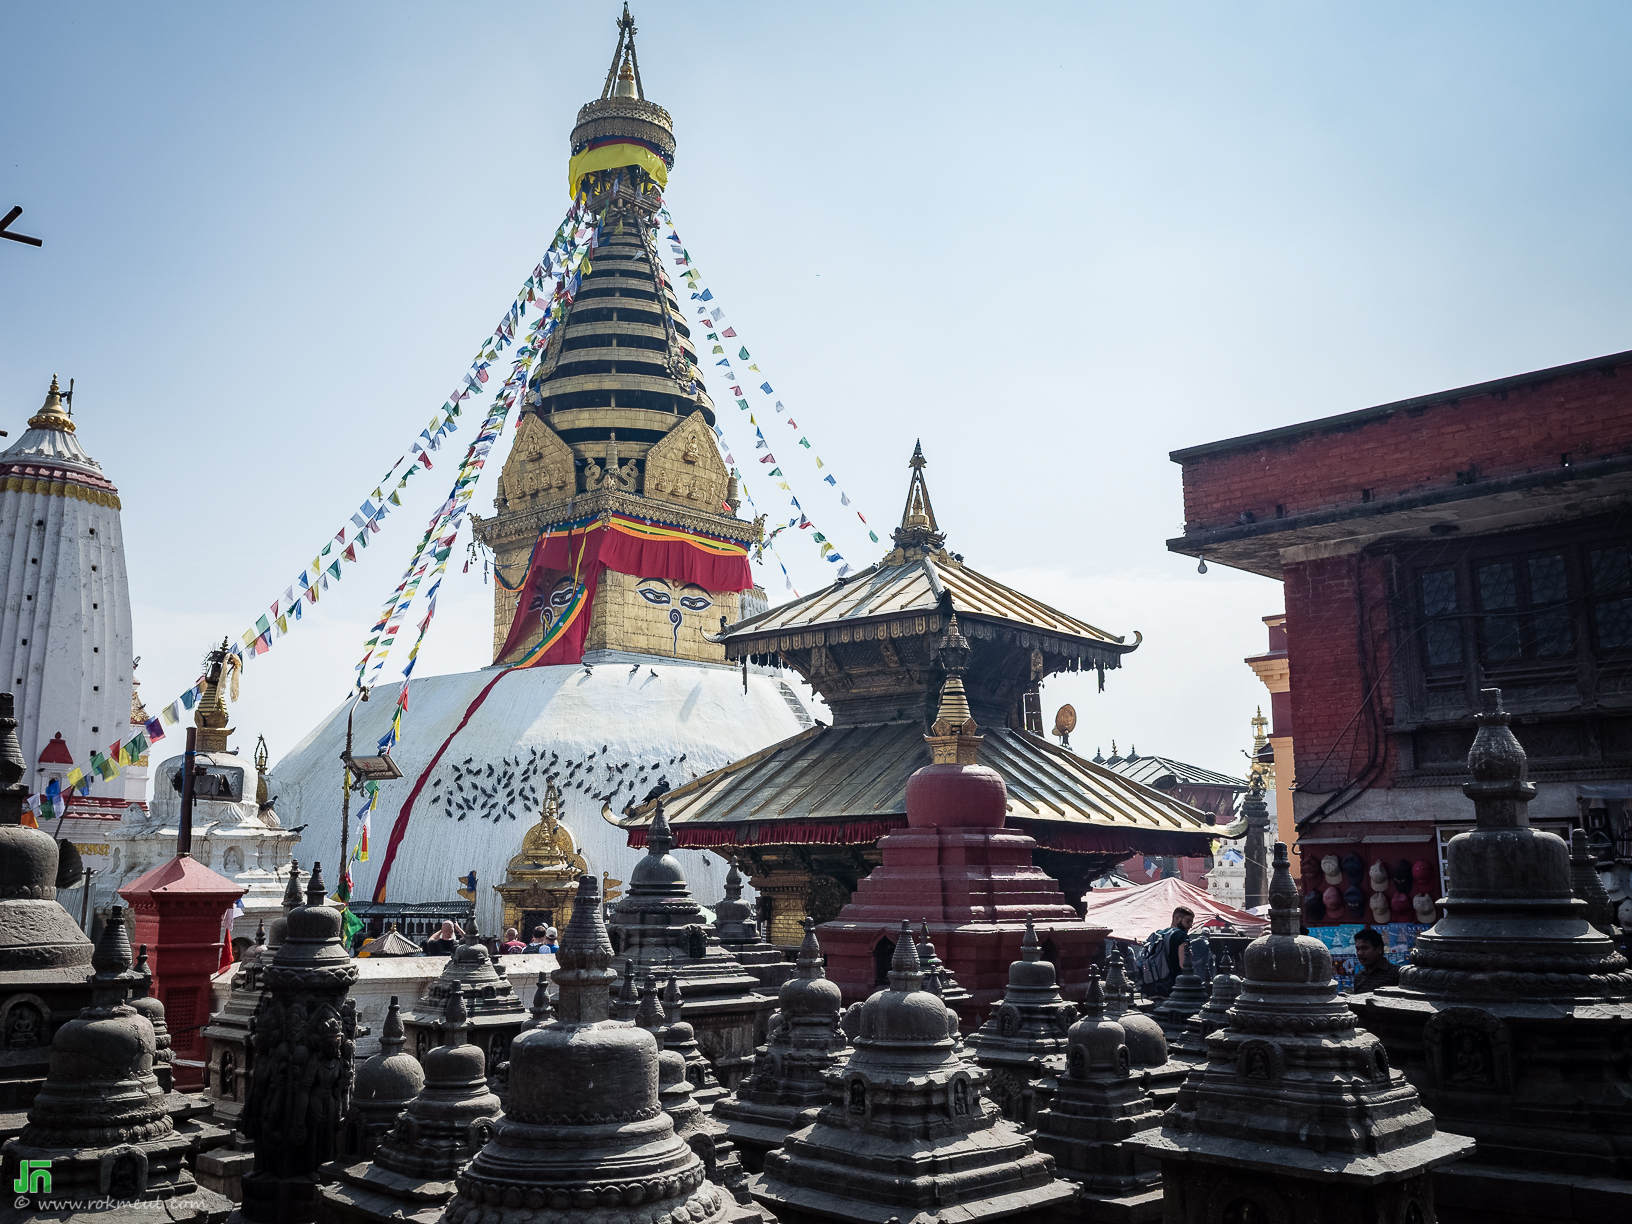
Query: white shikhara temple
(65,620)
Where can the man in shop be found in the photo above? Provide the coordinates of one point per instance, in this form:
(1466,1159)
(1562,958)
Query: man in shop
(1375,968)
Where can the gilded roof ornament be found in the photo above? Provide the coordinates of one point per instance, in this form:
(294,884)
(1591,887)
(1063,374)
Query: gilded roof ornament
(211,716)
(919,534)
(955,738)
(52,415)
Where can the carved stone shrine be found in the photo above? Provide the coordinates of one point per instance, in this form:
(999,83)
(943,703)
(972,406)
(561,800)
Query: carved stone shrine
(738,933)
(1297,1115)
(658,928)
(444,1126)
(304,1039)
(1023,1041)
(906,1133)
(495,1012)
(100,1127)
(787,1084)
(1514,1016)
(585,1132)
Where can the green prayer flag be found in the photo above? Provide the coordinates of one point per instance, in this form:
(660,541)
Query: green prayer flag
(334,569)
(744,354)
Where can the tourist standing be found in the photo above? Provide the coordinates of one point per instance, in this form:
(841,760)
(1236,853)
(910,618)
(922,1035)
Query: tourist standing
(512,943)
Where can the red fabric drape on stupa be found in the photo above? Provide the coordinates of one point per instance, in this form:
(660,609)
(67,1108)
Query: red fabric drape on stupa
(630,547)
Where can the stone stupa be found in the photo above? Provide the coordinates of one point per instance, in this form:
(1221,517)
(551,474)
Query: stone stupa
(1296,1110)
(906,1132)
(100,1126)
(739,934)
(45,959)
(1023,1041)
(585,1136)
(1101,1102)
(386,1082)
(787,1084)
(702,1133)
(1147,1044)
(1514,1016)
(495,1013)
(443,1127)
(658,928)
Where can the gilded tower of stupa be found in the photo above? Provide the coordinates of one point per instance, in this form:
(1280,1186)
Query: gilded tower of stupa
(615,450)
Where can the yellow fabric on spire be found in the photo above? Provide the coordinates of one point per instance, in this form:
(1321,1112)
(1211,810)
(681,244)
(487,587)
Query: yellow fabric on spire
(611,156)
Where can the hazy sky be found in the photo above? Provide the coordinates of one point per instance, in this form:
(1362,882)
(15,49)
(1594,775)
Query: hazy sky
(1053,241)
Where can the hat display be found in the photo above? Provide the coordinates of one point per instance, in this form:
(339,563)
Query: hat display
(1426,913)
(1314,909)
(1330,869)
(1353,867)
(1379,908)
(1379,877)
(1402,876)
(1333,900)
(1354,898)
(1400,905)
(1422,871)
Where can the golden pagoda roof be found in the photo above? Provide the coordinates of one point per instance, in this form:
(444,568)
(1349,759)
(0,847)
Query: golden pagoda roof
(852,779)
(919,577)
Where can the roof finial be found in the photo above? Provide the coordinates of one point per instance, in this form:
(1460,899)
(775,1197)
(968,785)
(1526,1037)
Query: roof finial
(625,67)
(918,530)
(659,841)
(52,415)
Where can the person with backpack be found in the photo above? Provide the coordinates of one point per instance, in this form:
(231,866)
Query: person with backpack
(1166,954)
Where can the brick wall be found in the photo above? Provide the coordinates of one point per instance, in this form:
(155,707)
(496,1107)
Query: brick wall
(1339,653)
(1523,425)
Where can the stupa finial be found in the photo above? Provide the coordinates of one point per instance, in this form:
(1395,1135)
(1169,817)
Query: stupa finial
(650,1014)
(659,841)
(315,889)
(585,959)
(673,1004)
(291,890)
(919,534)
(112,978)
(1284,910)
(810,951)
(955,738)
(1029,950)
(1093,1006)
(906,972)
(393,1036)
(12,766)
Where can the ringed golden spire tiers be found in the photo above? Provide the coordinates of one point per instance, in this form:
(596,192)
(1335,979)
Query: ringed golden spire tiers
(955,738)
(52,415)
(919,533)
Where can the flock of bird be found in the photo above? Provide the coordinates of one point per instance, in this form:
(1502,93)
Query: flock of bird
(493,790)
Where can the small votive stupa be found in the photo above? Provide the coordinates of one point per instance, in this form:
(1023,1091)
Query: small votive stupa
(1101,1101)
(787,1084)
(702,1133)
(100,1127)
(495,1012)
(739,934)
(955,864)
(45,959)
(443,1127)
(658,928)
(1147,1044)
(1297,1113)
(1023,1041)
(906,1133)
(386,1082)
(1514,1015)
(585,1136)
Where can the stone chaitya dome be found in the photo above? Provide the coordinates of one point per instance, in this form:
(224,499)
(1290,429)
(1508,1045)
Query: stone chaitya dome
(385,1083)
(1294,1101)
(1025,1035)
(1147,1044)
(1511,985)
(904,1091)
(585,1129)
(786,1085)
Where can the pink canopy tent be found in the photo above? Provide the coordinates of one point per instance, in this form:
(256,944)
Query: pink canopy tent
(1133,913)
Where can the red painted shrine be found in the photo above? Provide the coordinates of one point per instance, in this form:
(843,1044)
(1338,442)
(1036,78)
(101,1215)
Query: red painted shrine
(958,868)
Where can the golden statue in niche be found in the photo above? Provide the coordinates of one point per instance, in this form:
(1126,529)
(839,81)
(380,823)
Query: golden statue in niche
(541,881)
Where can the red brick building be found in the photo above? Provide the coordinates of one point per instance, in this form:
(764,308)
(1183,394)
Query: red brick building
(1474,537)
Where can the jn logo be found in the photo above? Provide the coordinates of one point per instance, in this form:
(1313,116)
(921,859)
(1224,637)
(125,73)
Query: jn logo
(33,1177)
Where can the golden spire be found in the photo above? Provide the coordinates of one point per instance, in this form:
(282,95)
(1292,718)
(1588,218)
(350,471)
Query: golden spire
(954,739)
(625,87)
(211,716)
(262,796)
(51,414)
(919,533)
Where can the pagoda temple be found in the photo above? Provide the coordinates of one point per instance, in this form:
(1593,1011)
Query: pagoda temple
(803,817)
(617,549)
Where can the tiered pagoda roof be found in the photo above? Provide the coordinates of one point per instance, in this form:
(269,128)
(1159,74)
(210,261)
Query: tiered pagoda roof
(869,644)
